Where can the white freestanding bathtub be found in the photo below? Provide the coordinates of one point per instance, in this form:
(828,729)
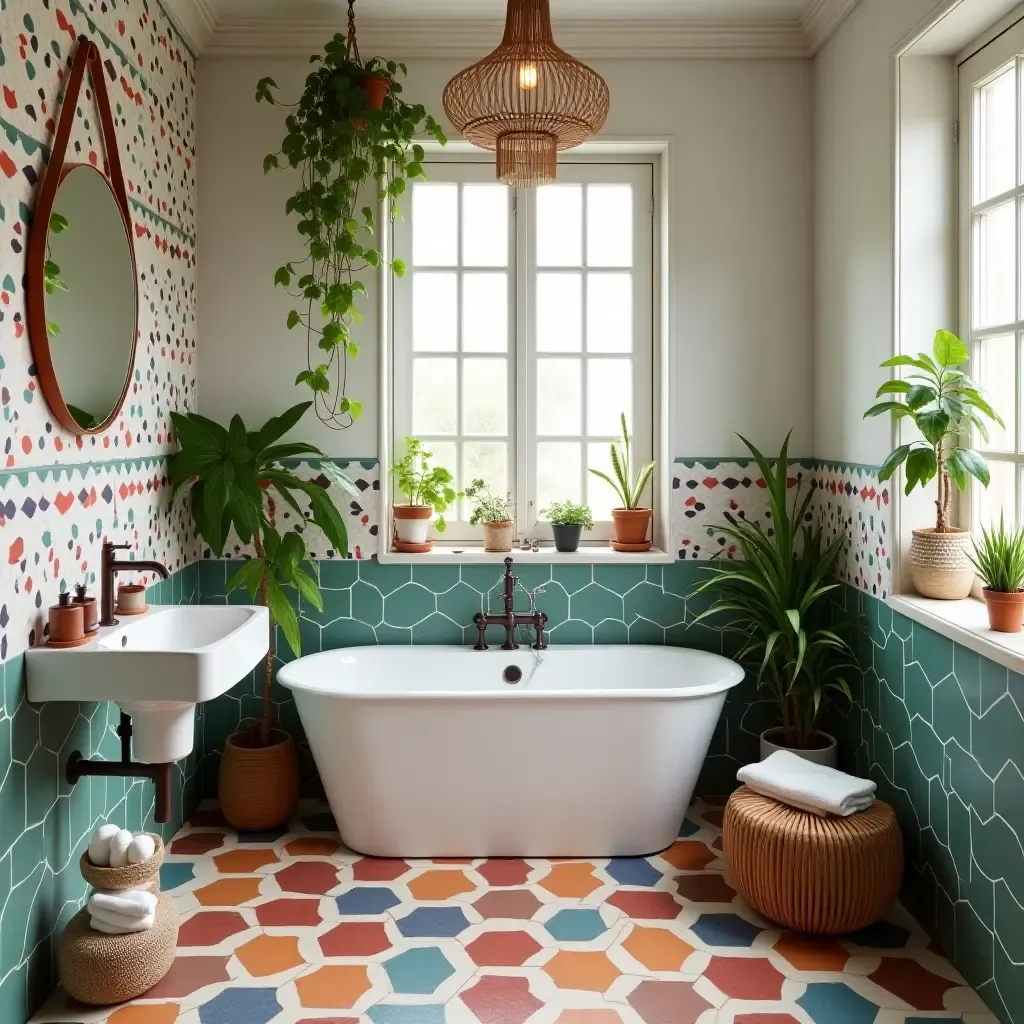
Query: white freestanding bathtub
(431,752)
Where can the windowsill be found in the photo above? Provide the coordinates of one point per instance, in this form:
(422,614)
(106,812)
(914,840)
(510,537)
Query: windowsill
(471,555)
(966,623)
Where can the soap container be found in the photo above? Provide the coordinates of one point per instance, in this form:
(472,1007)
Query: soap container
(67,621)
(89,606)
(131,599)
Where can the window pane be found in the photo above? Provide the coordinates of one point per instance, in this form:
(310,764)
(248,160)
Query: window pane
(485,396)
(435,218)
(485,313)
(558,472)
(998,375)
(996,169)
(601,497)
(434,312)
(485,226)
(434,396)
(486,460)
(610,313)
(559,312)
(995,260)
(610,226)
(559,398)
(609,393)
(560,226)
(999,497)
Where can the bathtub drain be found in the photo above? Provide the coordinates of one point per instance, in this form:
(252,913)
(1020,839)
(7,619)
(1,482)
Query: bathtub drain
(513,674)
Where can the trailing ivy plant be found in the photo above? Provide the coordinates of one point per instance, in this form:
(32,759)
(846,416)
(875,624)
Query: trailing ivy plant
(342,145)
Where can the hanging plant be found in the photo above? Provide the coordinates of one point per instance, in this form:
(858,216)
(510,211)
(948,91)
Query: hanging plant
(350,128)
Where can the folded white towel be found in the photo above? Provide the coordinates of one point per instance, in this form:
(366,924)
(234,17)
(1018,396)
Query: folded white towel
(141,849)
(119,848)
(99,846)
(115,924)
(808,786)
(131,903)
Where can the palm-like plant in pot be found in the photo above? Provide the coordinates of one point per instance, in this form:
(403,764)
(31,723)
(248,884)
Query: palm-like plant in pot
(775,595)
(429,490)
(944,404)
(998,558)
(230,474)
(632,520)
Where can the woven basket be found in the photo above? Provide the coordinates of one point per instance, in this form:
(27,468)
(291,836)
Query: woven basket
(940,566)
(259,786)
(825,876)
(131,876)
(498,536)
(101,970)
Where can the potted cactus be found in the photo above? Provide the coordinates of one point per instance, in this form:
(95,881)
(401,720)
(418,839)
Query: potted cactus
(998,559)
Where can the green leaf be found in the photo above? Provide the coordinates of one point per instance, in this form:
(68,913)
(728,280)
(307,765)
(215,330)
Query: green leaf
(277,426)
(249,577)
(58,223)
(284,615)
(270,163)
(309,590)
(893,387)
(893,462)
(906,361)
(949,349)
(920,468)
(398,266)
(52,328)
(934,424)
(975,465)
(898,409)
(919,396)
(293,319)
(282,277)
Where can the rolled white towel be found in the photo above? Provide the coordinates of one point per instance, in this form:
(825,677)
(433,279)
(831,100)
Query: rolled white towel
(115,924)
(99,845)
(132,903)
(807,786)
(119,848)
(142,848)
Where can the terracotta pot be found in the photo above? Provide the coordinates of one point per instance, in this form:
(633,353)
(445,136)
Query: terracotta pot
(412,524)
(67,621)
(131,597)
(940,566)
(631,525)
(376,88)
(827,753)
(1005,611)
(259,786)
(567,538)
(498,536)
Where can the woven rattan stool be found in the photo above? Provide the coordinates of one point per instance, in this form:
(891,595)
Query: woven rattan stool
(826,876)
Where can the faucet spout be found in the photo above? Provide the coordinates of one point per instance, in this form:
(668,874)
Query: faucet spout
(110,566)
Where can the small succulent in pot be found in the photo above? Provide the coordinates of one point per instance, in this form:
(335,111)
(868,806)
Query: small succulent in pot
(497,515)
(998,559)
(430,491)
(631,519)
(568,521)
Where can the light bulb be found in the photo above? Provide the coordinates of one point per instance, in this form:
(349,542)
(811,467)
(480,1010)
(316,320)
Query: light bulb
(528,76)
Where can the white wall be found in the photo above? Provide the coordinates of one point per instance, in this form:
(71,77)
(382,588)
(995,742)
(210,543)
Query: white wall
(742,275)
(854,207)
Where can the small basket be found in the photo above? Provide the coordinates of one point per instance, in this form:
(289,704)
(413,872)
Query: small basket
(131,876)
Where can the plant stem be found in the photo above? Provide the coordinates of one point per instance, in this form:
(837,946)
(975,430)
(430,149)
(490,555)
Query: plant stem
(942,500)
(268,662)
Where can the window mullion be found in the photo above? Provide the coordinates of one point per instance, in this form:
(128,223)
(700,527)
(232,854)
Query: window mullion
(524,339)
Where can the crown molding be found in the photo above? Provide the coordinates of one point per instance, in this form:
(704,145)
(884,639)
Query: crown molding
(822,18)
(194,19)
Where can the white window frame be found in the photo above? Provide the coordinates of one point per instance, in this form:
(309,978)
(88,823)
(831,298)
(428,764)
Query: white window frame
(656,154)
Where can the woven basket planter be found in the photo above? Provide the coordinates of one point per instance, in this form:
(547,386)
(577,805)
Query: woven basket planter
(940,566)
(498,536)
(824,876)
(132,876)
(101,970)
(259,786)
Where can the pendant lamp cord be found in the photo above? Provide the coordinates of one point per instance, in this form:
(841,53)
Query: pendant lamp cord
(353,47)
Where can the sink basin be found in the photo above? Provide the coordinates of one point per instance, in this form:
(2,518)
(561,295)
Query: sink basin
(156,667)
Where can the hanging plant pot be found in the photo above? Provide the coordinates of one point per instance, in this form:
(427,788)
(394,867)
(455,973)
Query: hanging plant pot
(376,88)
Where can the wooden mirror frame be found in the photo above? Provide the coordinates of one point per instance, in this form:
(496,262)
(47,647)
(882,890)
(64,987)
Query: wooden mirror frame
(87,58)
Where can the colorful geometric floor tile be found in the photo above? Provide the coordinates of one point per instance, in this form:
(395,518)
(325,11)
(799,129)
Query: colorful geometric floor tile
(289,927)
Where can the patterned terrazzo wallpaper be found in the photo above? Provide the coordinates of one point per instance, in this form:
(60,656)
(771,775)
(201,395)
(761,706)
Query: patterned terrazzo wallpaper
(60,496)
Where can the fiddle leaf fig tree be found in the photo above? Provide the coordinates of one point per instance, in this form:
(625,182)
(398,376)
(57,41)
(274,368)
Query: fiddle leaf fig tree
(944,404)
(351,155)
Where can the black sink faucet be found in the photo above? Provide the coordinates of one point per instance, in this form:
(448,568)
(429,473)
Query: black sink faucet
(510,619)
(110,567)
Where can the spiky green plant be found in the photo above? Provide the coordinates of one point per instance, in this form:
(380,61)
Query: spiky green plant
(999,558)
(775,594)
(629,490)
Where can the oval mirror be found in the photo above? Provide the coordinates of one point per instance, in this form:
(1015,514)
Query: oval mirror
(82,288)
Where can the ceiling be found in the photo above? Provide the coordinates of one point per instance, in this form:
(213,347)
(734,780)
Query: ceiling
(590,29)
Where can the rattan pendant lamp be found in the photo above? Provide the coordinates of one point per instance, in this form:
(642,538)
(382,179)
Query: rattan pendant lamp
(528,99)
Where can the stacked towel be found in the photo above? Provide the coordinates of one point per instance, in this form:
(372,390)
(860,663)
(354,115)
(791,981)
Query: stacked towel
(807,786)
(115,847)
(119,912)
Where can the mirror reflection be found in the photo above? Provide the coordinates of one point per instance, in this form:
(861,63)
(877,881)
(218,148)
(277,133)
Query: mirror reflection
(90,296)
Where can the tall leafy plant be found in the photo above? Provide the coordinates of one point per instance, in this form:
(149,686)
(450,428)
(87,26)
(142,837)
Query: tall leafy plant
(774,594)
(630,489)
(341,145)
(230,474)
(944,404)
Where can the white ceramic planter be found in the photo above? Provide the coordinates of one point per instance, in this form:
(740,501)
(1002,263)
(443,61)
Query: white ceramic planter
(827,755)
(412,531)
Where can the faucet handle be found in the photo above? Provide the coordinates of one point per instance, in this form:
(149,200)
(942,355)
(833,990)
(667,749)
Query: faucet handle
(117,547)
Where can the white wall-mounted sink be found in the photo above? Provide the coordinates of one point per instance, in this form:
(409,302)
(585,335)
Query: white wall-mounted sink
(157,667)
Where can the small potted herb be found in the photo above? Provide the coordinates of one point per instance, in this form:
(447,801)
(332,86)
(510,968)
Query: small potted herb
(999,560)
(631,519)
(429,490)
(568,520)
(496,514)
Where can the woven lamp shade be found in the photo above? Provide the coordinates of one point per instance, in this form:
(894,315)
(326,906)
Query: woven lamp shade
(528,99)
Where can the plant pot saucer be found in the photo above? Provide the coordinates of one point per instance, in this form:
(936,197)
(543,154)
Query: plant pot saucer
(408,548)
(62,645)
(631,548)
(133,611)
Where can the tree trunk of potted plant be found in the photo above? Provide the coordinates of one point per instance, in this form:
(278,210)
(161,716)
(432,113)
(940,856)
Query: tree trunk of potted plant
(498,535)
(258,783)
